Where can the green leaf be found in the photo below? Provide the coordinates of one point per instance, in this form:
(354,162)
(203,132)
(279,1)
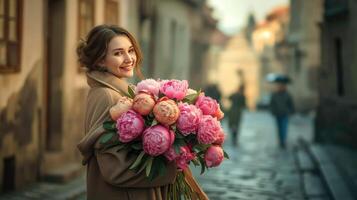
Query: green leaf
(137,146)
(196,162)
(131,92)
(161,95)
(106,137)
(109,125)
(225,154)
(179,136)
(154,122)
(201,147)
(161,167)
(148,166)
(203,165)
(138,160)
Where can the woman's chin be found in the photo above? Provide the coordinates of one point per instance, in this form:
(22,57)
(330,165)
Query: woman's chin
(127,74)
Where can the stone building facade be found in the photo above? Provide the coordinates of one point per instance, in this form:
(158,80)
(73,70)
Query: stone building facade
(337,111)
(303,40)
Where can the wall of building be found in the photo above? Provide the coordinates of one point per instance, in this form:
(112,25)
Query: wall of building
(304,61)
(21,101)
(336,114)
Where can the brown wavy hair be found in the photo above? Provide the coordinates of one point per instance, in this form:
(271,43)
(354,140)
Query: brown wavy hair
(93,48)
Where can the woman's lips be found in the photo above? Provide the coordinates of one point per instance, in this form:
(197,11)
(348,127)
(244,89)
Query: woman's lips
(127,68)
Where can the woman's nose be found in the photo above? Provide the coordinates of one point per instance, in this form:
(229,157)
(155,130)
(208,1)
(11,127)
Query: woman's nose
(128,58)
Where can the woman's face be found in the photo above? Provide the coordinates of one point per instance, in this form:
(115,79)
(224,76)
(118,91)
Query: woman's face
(120,58)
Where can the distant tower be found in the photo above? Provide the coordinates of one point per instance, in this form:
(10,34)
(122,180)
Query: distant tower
(250,27)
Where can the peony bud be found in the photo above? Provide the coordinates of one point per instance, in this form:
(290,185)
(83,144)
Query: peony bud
(143,103)
(123,104)
(166,111)
(214,156)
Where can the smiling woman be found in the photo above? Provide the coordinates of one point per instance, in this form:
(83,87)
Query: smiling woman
(110,54)
(120,58)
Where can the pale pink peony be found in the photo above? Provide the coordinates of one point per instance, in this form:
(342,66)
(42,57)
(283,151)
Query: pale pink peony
(174,88)
(171,154)
(219,114)
(214,156)
(148,85)
(191,91)
(189,118)
(220,139)
(157,140)
(208,105)
(123,104)
(186,155)
(208,130)
(130,125)
(166,111)
(143,103)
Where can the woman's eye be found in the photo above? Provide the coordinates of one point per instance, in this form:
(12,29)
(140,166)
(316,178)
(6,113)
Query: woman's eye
(131,51)
(119,53)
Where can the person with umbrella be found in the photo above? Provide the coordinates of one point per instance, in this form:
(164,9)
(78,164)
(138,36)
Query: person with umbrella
(281,105)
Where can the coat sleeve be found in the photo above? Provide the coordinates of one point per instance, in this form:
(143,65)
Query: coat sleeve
(114,166)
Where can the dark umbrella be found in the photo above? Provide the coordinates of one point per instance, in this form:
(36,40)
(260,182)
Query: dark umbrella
(278,78)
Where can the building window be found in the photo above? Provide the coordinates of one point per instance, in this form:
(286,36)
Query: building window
(86,17)
(10,43)
(111,12)
(339,67)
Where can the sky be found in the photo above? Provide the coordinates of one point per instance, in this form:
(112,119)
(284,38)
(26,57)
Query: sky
(232,14)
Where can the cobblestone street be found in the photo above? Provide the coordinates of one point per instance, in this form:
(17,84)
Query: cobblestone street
(257,168)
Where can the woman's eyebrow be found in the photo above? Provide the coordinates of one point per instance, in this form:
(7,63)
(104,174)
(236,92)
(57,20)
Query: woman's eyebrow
(122,48)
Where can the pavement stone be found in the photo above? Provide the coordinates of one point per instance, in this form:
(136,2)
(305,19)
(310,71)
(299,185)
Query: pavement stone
(258,168)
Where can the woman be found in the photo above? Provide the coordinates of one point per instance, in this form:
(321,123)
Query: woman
(110,54)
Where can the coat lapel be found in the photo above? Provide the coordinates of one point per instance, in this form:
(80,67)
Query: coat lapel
(97,78)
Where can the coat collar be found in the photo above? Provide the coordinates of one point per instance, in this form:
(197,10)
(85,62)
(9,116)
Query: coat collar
(98,78)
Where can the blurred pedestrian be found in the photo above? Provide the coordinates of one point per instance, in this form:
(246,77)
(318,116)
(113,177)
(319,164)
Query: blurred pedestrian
(238,103)
(281,106)
(213,91)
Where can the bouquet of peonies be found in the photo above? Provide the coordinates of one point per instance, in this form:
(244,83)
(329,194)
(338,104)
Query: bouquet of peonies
(165,121)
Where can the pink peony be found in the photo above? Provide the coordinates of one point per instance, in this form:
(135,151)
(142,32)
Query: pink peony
(166,111)
(220,139)
(130,125)
(214,156)
(189,118)
(143,103)
(208,105)
(148,85)
(208,130)
(186,155)
(171,154)
(174,88)
(123,104)
(157,140)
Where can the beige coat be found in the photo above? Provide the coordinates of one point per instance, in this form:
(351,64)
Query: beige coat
(108,174)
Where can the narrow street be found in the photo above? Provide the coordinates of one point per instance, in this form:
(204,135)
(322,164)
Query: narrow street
(257,168)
